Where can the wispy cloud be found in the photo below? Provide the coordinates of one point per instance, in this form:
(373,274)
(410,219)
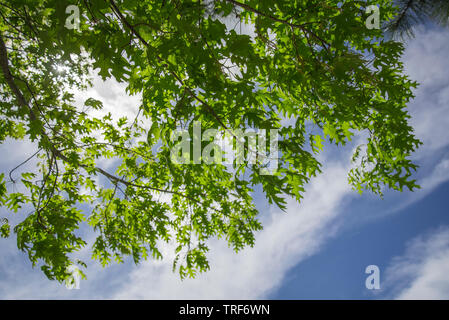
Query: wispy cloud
(425,60)
(422,271)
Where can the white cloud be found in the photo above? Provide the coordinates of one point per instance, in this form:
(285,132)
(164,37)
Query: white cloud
(422,272)
(115,99)
(426,62)
(287,239)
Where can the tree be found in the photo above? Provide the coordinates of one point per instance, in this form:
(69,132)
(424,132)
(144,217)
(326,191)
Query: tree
(313,61)
(414,12)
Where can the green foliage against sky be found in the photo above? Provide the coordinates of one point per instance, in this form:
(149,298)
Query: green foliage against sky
(412,13)
(312,61)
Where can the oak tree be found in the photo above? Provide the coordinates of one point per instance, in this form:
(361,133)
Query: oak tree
(412,13)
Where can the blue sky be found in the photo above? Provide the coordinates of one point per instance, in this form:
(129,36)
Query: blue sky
(320,248)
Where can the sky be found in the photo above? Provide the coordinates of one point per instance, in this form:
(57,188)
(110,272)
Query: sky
(318,249)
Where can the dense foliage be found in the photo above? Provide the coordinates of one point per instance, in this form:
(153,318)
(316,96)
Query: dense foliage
(313,61)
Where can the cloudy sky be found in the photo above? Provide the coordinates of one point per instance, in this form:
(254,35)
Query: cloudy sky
(320,248)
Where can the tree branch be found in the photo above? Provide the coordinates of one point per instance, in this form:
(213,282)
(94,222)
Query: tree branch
(4,63)
(174,74)
(293,25)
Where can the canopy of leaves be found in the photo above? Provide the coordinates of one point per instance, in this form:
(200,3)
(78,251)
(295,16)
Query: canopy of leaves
(313,61)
